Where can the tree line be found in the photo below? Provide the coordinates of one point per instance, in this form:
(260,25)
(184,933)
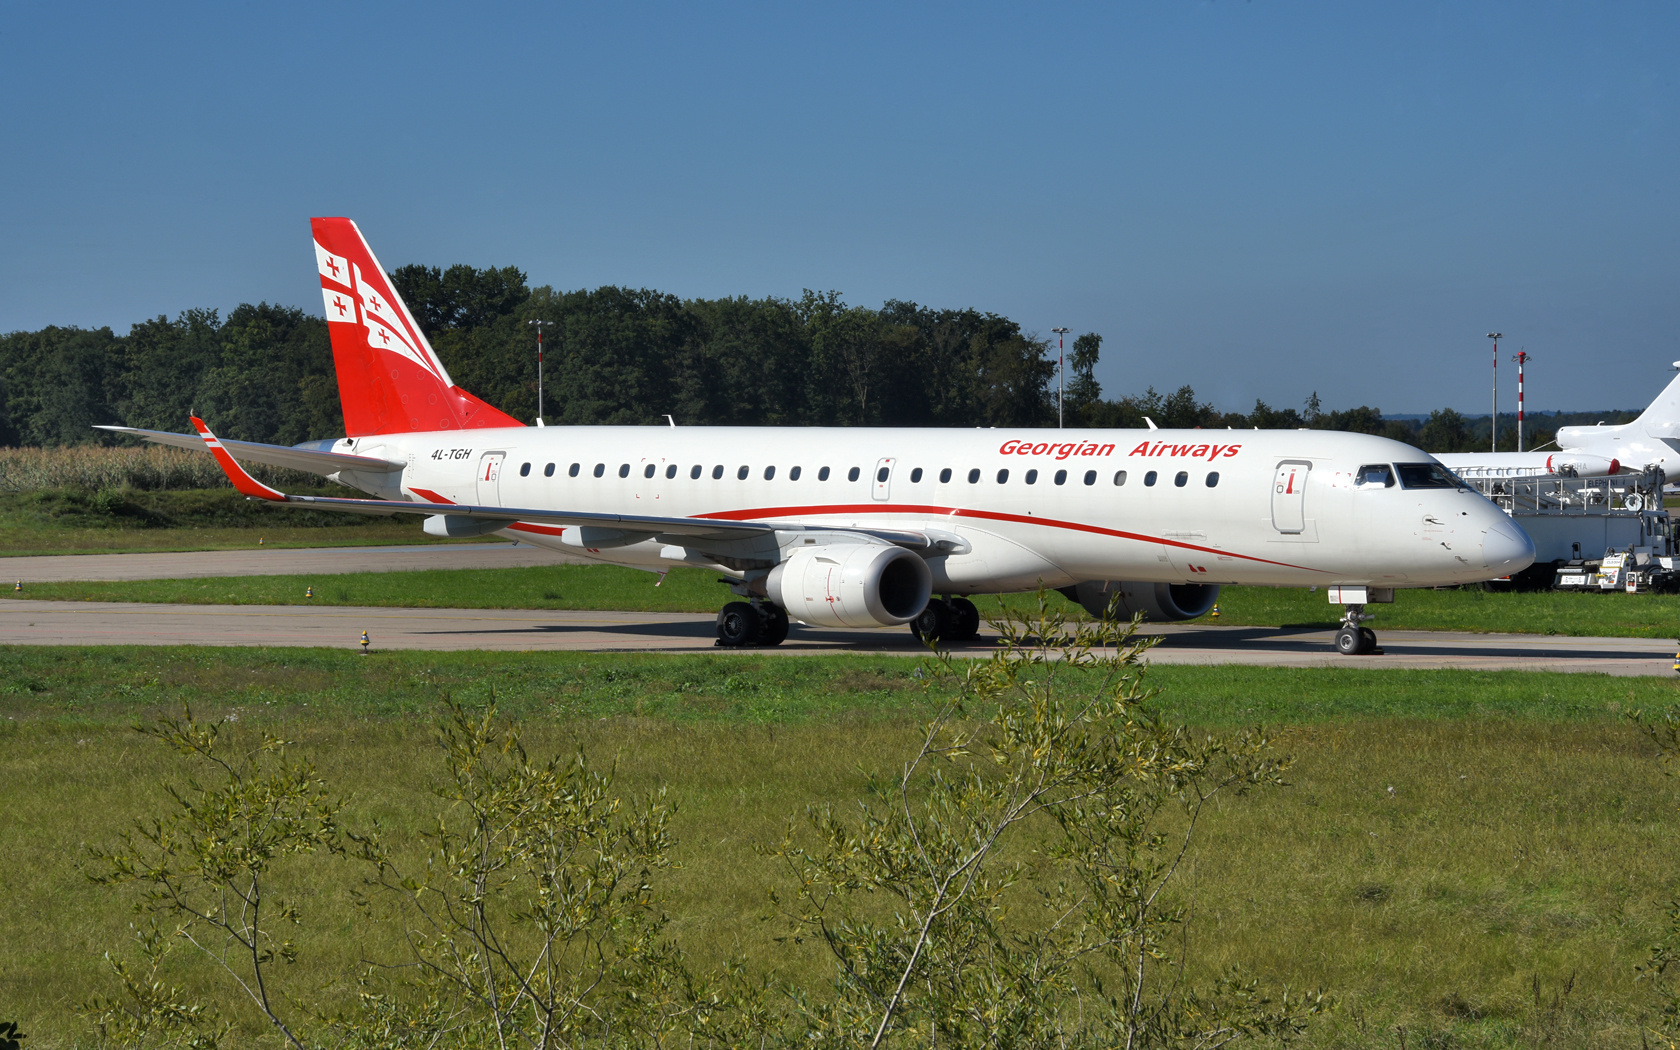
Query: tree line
(624,356)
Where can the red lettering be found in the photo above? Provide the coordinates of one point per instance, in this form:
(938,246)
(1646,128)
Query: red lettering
(1232,450)
(1039,450)
(1106,450)
(1141,450)
(1199,450)
(1009,447)
(1217,449)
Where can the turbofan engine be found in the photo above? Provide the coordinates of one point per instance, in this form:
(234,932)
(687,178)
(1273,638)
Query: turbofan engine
(851,585)
(1159,602)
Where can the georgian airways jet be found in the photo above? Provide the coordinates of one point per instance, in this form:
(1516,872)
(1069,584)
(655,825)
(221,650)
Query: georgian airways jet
(865,527)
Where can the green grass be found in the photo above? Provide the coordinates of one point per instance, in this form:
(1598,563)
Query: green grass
(695,590)
(75,521)
(1528,834)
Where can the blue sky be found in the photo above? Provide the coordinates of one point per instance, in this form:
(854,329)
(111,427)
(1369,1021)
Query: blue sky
(1257,198)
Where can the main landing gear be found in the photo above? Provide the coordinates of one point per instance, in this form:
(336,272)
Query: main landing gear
(947,620)
(740,624)
(1354,638)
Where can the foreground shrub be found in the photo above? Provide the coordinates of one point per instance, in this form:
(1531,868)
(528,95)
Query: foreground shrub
(1010,885)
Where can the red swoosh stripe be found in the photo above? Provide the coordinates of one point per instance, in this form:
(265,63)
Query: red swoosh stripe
(985,515)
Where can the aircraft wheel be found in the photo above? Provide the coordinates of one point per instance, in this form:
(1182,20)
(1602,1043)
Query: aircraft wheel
(965,620)
(1367,640)
(738,624)
(1348,641)
(775,629)
(933,623)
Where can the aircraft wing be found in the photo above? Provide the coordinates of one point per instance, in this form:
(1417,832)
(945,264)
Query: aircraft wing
(312,460)
(680,530)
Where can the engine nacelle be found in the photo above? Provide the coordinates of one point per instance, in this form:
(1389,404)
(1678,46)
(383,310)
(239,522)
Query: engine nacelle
(851,585)
(1158,602)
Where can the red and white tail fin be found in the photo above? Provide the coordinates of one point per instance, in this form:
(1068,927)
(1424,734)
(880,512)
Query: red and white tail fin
(389,379)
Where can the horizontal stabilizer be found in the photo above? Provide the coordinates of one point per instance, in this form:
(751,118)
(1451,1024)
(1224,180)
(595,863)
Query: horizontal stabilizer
(312,460)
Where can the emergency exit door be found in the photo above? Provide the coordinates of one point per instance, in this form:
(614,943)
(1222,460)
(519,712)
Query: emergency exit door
(1289,496)
(883,478)
(489,479)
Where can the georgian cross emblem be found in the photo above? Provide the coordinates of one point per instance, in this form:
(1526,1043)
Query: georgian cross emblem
(332,264)
(339,304)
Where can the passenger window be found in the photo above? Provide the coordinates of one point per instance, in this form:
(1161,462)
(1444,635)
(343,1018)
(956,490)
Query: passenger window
(717,472)
(769,473)
(916,475)
(1090,477)
(741,475)
(647,472)
(853,474)
(1003,477)
(1212,478)
(1149,480)
(793,474)
(600,469)
(694,473)
(670,472)
(525,470)
(974,476)
(573,472)
(1119,478)
(822,474)
(1032,477)
(548,471)
(1376,474)
(624,470)
(1061,477)
(945,476)
(1180,478)
(881,475)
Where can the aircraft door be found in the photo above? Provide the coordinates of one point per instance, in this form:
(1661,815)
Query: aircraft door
(1289,496)
(883,478)
(489,479)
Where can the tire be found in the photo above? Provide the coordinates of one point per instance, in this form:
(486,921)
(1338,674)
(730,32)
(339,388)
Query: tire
(1367,641)
(965,620)
(933,623)
(775,624)
(1348,641)
(738,624)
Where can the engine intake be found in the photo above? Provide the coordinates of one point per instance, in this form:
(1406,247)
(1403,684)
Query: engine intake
(851,585)
(1158,602)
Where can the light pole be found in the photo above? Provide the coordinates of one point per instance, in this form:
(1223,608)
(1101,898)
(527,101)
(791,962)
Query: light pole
(1521,359)
(1496,337)
(539,325)
(1061,371)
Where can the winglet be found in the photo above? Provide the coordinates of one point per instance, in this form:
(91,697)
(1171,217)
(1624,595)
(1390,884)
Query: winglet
(242,481)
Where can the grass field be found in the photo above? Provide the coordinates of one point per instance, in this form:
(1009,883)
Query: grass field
(695,590)
(1449,842)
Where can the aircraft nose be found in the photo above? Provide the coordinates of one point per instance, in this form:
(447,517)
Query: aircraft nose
(1506,548)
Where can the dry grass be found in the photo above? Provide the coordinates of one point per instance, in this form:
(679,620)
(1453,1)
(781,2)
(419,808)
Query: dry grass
(149,467)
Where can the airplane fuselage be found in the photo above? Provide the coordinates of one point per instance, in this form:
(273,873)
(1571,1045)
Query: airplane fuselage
(1021,507)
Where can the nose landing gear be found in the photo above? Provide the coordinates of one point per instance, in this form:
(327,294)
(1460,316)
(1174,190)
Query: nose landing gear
(1354,638)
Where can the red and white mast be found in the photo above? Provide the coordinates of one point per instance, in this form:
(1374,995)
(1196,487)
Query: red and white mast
(1521,359)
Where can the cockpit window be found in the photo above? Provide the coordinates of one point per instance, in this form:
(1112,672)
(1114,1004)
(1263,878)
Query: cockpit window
(1376,474)
(1427,476)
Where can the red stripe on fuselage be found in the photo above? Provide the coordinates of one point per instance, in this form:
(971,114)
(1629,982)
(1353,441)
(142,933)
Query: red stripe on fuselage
(942,512)
(984,515)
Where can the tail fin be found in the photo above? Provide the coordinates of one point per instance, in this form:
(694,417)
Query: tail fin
(1662,415)
(389,380)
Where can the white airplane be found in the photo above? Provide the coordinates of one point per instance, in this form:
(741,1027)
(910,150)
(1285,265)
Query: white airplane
(1652,440)
(871,527)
